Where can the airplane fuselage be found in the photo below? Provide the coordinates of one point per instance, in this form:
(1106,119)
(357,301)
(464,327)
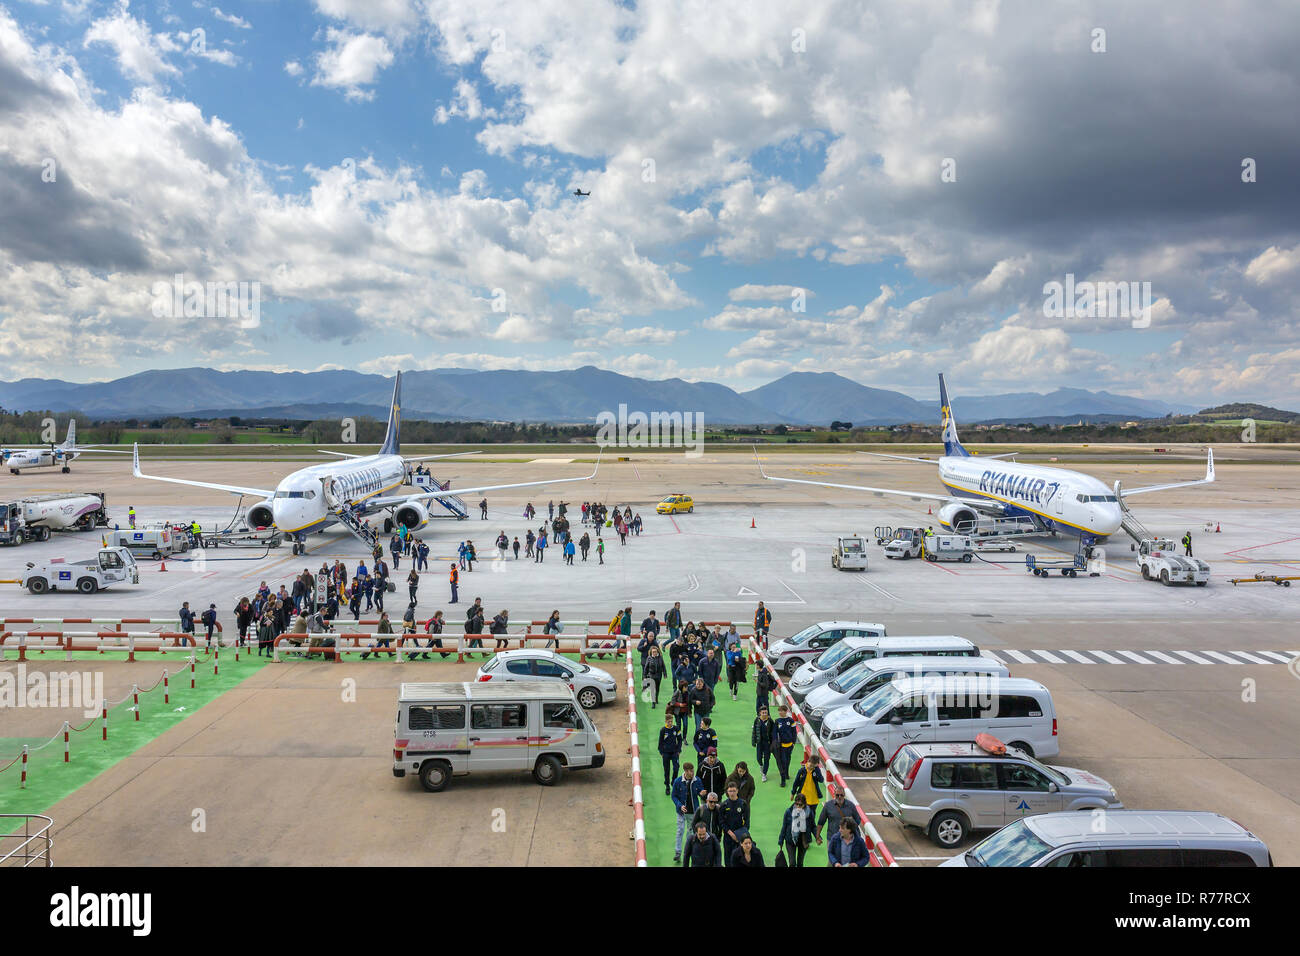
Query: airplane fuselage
(1061,499)
(39,458)
(302,500)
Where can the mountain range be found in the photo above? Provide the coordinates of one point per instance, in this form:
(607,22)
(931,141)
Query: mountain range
(575,395)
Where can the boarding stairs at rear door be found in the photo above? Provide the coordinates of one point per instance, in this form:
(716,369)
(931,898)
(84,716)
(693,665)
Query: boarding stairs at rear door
(452,503)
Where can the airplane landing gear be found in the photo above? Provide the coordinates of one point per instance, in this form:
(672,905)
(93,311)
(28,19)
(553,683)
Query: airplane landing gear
(66,469)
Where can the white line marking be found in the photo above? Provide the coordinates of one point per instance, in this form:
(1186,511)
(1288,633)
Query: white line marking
(1252,658)
(1081,658)
(984,651)
(1018,656)
(1048,656)
(1166,658)
(1284,658)
(1108,658)
(1195,659)
(1133,655)
(1223,657)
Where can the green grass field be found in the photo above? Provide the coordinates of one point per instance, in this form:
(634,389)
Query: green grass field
(733,721)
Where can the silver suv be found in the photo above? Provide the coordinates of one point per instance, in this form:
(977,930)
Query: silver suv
(949,789)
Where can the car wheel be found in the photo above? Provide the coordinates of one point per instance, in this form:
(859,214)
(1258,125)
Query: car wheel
(1146,573)
(792,665)
(548,771)
(38,585)
(589,698)
(966,558)
(435,775)
(1164,577)
(43,533)
(87,585)
(691,509)
(948,829)
(157,555)
(1021,745)
(867,757)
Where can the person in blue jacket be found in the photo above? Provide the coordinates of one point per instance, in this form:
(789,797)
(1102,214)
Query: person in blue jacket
(783,743)
(684,671)
(687,792)
(670,749)
(711,669)
(847,848)
(703,848)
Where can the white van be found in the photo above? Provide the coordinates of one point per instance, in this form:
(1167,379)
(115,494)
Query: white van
(790,653)
(926,709)
(949,547)
(446,729)
(868,676)
(156,543)
(853,650)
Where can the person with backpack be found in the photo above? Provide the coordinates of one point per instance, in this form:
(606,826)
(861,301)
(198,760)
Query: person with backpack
(499,624)
(670,750)
(552,629)
(474,624)
(764,684)
(679,706)
(673,620)
(385,628)
(433,626)
(243,618)
(209,620)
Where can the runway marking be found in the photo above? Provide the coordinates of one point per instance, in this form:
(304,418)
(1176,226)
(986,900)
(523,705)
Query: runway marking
(1109,659)
(1192,657)
(1255,547)
(1049,657)
(1136,657)
(1166,658)
(1283,658)
(1078,657)
(1018,656)
(878,588)
(1221,657)
(1252,658)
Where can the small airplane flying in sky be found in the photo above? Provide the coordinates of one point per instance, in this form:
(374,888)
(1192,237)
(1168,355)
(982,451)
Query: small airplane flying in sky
(60,455)
(312,498)
(579,192)
(1055,499)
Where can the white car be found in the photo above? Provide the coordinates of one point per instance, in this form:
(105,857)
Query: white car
(789,654)
(591,685)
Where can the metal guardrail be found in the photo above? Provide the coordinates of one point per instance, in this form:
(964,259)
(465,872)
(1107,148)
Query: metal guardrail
(34,848)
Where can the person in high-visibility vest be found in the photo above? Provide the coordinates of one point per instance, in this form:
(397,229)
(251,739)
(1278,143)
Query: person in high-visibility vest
(1187,544)
(455,581)
(130,515)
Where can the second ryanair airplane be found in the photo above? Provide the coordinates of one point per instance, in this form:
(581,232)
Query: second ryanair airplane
(1055,499)
(314,497)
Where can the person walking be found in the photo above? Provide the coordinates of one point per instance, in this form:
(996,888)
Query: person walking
(385,638)
(455,583)
(553,628)
(584,544)
(679,705)
(569,550)
(735,658)
(711,669)
(702,848)
(687,794)
(186,617)
(210,621)
(499,624)
(836,810)
(600,548)
(413,585)
(786,735)
(1187,544)
(762,736)
(515,546)
(762,622)
(706,739)
(735,818)
(702,701)
(482,507)
(130,515)
(764,684)
(796,830)
(743,781)
(673,620)
(539,550)
(433,626)
(808,781)
(652,673)
(670,751)
(847,848)
(746,854)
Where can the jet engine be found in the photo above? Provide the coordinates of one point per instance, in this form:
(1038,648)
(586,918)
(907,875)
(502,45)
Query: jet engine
(412,514)
(260,515)
(959,517)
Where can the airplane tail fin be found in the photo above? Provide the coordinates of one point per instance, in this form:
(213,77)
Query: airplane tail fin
(71,440)
(392,440)
(951,443)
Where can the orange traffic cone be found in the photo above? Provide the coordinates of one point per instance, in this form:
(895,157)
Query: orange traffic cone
(1217,528)
(929,510)
(163,566)
(751,523)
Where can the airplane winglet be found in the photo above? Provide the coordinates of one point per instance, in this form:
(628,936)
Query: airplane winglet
(135,460)
(759,462)
(1209,464)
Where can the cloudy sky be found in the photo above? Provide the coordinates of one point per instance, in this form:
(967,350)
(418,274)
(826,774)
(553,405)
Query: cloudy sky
(397,176)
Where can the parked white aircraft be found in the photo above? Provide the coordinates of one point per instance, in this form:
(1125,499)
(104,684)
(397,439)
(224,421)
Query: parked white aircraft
(1056,499)
(314,497)
(60,455)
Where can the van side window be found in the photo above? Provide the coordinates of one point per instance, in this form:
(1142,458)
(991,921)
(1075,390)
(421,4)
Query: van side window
(941,775)
(498,716)
(976,776)
(1196,856)
(1011,705)
(909,710)
(951,711)
(561,715)
(436,717)
(1020,777)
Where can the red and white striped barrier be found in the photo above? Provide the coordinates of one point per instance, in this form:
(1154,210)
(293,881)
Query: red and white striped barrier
(637,801)
(103,642)
(877,852)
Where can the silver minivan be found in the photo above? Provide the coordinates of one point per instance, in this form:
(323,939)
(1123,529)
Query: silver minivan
(592,685)
(1120,838)
(790,653)
(926,709)
(852,650)
(950,789)
(867,676)
(447,729)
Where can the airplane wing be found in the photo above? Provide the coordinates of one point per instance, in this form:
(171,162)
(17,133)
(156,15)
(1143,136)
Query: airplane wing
(392,500)
(100,451)
(233,489)
(1208,479)
(346,454)
(881,454)
(340,454)
(1005,454)
(979,504)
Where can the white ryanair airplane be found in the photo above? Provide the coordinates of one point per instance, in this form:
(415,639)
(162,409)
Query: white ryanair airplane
(55,456)
(312,498)
(1055,499)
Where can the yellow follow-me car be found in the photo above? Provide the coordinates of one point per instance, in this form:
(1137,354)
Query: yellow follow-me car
(674,504)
